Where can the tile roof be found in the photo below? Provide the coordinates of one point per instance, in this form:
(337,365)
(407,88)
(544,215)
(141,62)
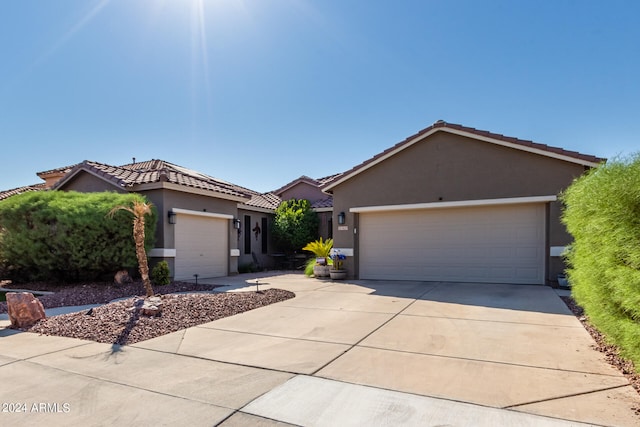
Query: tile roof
(264,201)
(61,170)
(27,188)
(327,179)
(441,125)
(154,171)
(323,203)
(303,178)
(272,201)
(311,181)
(523,142)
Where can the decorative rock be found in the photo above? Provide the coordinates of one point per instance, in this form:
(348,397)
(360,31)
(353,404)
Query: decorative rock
(152,306)
(24,309)
(122,277)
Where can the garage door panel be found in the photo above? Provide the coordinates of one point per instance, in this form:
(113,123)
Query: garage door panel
(201,247)
(480,244)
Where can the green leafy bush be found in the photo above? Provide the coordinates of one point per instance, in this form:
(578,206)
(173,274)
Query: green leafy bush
(294,225)
(247,268)
(308,268)
(602,213)
(160,274)
(66,236)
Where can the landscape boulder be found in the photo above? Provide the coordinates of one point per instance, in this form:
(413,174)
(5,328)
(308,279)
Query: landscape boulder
(122,277)
(24,309)
(152,306)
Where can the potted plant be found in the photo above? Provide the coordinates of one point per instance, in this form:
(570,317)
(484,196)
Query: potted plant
(321,249)
(337,272)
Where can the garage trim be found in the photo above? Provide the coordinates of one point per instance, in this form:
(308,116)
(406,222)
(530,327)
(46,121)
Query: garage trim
(198,213)
(456,204)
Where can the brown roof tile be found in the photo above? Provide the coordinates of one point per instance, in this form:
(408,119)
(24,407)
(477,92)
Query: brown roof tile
(265,201)
(27,188)
(323,203)
(153,171)
(63,170)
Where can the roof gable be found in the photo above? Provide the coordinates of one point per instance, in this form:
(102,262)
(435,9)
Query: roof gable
(155,173)
(489,137)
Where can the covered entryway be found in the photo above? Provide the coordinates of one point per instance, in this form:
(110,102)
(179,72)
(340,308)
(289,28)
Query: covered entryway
(486,243)
(202,244)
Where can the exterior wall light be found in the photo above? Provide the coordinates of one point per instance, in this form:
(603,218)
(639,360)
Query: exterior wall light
(341,218)
(236,223)
(172,217)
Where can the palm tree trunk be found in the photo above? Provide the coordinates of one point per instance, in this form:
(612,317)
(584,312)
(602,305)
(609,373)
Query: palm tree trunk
(141,254)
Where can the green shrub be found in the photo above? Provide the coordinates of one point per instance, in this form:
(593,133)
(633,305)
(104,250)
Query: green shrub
(320,248)
(160,274)
(602,213)
(294,225)
(308,268)
(66,236)
(247,268)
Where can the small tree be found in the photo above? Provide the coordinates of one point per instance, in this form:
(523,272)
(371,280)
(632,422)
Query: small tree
(295,225)
(139,210)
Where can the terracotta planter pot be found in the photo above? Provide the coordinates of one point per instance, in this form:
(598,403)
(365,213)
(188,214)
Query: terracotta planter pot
(338,274)
(321,270)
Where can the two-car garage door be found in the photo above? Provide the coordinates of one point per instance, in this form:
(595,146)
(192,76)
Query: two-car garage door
(488,244)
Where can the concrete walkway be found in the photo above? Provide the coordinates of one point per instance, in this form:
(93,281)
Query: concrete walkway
(347,353)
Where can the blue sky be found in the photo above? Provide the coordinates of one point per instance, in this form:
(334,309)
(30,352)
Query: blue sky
(260,92)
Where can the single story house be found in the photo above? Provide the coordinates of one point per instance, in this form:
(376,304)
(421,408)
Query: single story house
(453,203)
(207,227)
(450,203)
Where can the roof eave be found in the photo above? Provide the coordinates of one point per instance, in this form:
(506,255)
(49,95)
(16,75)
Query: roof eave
(187,189)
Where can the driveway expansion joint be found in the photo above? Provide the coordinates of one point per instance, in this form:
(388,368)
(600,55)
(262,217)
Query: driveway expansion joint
(550,399)
(494,362)
(110,381)
(356,344)
(511,322)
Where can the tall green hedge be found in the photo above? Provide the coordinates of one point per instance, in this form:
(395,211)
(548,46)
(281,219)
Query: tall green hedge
(67,236)
(602,212)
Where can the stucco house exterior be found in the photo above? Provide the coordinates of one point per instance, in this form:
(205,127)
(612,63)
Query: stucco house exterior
(197,213)
(450,203)
(207,226)
(453,203)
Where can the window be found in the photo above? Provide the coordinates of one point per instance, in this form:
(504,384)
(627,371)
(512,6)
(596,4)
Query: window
(247,234)
(265,242)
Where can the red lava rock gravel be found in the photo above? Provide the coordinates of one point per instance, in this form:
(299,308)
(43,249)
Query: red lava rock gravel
(95,292)
(611,352)
(121,322)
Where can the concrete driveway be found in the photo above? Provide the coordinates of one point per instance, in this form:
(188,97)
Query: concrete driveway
(347,353)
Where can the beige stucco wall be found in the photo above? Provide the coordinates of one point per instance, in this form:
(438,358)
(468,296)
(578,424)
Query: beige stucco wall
(264,258)
(88,183)
(164,200)
(447,167)
(302,190)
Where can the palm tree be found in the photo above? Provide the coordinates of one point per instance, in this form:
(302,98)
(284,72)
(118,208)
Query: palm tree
(139,210)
